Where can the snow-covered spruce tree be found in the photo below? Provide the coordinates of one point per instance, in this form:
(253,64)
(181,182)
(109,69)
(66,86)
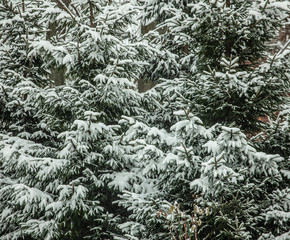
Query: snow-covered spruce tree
(156,154)
(250,185)
(165,164)
(225,82)
(220,82)
(60,194)
(218,58)
(276,136)
(20,26)
(245,188)
(61,166)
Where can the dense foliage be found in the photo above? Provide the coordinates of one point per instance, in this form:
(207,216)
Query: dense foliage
(216,59)
(84,155)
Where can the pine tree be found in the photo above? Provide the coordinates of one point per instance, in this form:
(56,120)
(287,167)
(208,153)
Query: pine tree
(61,166)
(220,49)
(94,159)
(244,189)
(214,58)
(275,137)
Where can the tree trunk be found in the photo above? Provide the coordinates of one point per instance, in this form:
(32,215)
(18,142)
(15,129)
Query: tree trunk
(228,44)
(57,74)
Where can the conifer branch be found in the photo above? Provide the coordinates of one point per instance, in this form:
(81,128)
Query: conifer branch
(186,114)
(5,93)
(8,53)
(211,72)
(121,138)
(271,64)
(75,9)
(75,147)
(215,163)
(284,48)
(230,66)
(65,8)
(259,20)
(265,6)
(9,6)
(4,40)
(78,49)
(273,59)
(186,152)
(183,98)
(90,123)
(101,33)
(254,24)
(115,67)
(26,41)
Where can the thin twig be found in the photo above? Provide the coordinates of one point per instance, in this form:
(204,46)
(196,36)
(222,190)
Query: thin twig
(77,12)
(186,152)
(186,113)
(115,66)
(5,93)
(101,33)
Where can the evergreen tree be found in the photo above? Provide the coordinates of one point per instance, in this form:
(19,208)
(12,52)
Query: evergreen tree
(245,189)
(61,166)
(94,159)
(214,60)
(275,137)
(221,52)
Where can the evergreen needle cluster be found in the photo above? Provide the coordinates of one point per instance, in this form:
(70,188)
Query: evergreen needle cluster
(205,154)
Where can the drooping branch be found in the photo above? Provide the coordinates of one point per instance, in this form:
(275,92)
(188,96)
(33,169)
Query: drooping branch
(64,6)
